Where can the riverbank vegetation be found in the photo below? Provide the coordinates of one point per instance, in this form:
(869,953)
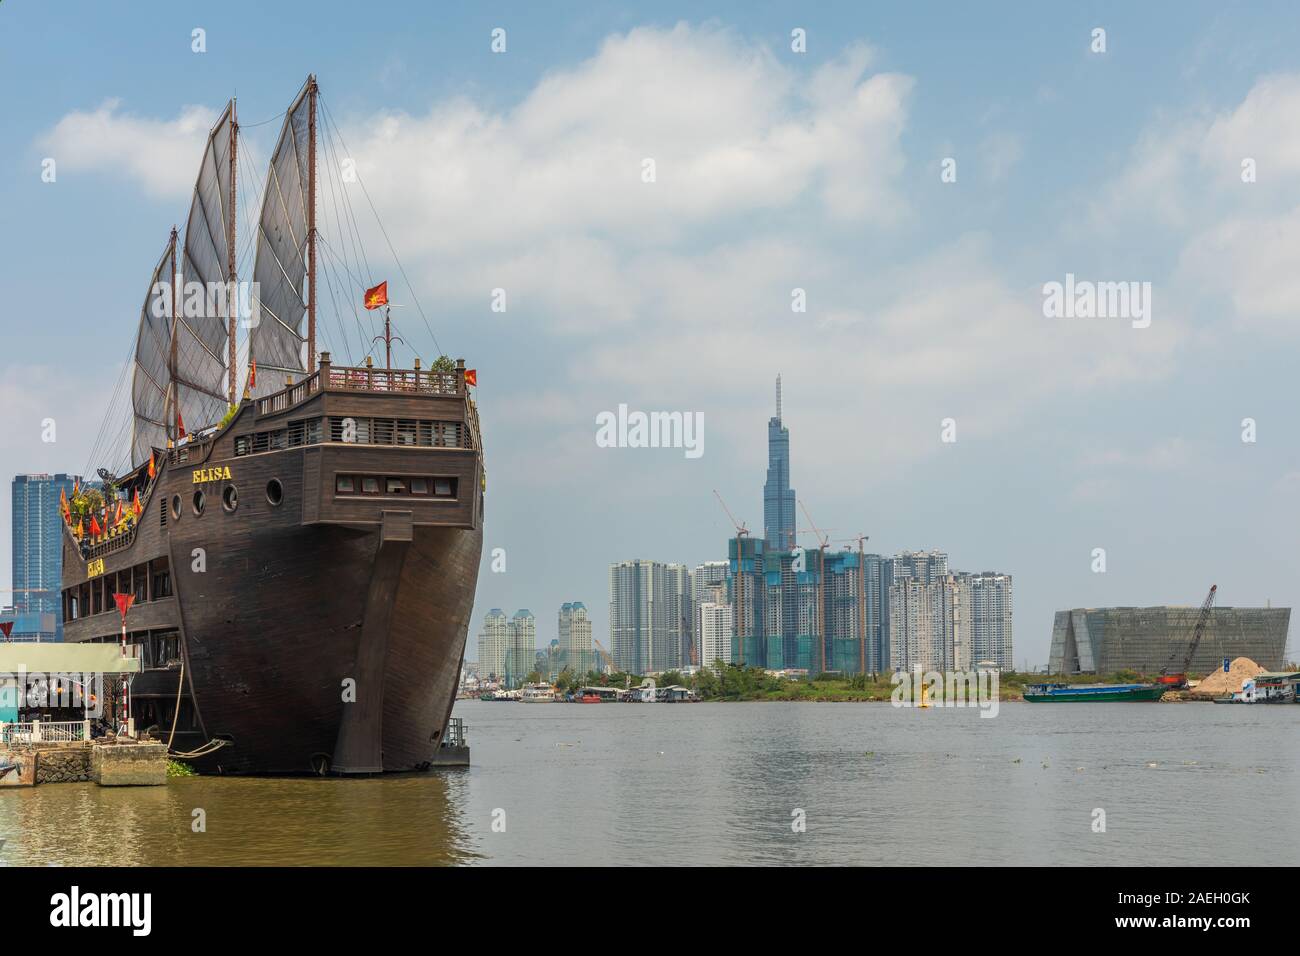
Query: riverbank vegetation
(732,682)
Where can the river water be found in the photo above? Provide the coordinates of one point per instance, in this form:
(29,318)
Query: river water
(731,784)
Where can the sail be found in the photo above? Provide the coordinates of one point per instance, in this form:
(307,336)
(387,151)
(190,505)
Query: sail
(202,334)
(149,378)
(280,269)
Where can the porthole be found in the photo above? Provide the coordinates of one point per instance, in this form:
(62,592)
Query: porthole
(229,499)
(176,507)
(274,491)
(199,501)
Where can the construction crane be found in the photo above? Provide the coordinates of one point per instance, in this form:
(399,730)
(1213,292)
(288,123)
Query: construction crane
(1170,677)
(742,533)
(824,542)
(604,656)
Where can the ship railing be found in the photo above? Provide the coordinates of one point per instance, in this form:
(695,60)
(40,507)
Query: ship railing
(367,378)
(455,735)
(290,395)
(44,732)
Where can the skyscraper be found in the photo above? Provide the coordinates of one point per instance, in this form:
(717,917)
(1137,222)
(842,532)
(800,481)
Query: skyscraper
(493,640)
(778,496)
(715,633)
(649,615)
(708,584)
(507,648)
(930,623)
(574,639)
(990,602)
(38,552)
(521,660)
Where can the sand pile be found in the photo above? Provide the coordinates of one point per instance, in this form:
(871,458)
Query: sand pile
(1221,684)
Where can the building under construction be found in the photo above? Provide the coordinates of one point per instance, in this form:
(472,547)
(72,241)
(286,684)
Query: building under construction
(1144,639)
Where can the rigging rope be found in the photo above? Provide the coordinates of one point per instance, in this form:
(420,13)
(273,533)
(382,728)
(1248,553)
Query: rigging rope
(411,288)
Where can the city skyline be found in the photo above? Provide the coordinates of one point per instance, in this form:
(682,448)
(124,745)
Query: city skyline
(923,298)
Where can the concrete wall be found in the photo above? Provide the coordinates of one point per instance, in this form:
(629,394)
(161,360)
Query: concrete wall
(129,765)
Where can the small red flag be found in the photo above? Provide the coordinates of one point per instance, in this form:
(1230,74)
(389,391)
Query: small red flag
(180,425)
(377,296)
(152,470)
(76,487)
(7,627)
(124,602)
(117,515)
(95,530)
(63,505)
(252,374)
(81,530)
(471,376)
(135,504)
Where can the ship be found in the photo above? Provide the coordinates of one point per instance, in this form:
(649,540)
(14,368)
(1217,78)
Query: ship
(1077,693)
(295,572)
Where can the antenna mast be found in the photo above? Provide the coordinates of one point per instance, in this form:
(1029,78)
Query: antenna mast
(231,295)
(311,224)
(172,387)
(778,397)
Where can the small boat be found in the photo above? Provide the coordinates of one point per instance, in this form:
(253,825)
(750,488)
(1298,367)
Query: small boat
(538,694)
(589,699)
(1074,693)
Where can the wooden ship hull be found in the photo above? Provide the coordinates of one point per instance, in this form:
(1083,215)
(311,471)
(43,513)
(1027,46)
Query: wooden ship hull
(304,576)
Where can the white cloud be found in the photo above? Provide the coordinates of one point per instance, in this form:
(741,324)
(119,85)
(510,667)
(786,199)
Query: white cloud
(162,156)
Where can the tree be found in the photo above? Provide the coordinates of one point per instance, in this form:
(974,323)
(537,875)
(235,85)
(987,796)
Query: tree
(443,363)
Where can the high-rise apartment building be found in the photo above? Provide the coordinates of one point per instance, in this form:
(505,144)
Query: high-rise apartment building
(507,647)
(990,603)
(649,615)
(930,624)
(708,585)
(493,641)
(574,650)
(715,633)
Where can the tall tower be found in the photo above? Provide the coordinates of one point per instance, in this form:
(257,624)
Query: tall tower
(778,496)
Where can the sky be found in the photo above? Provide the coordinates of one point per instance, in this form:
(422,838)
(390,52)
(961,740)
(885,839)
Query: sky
(774,171)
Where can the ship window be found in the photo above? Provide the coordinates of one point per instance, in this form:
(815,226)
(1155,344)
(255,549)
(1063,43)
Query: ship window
(444,487)
(199,501)
(241,445)
(394,486)
(370,486)
(274,491)
(345,484)
(176,506)
(229,498)
(419,486)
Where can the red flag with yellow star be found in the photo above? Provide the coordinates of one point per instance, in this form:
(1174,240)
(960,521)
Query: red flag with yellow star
(378,296)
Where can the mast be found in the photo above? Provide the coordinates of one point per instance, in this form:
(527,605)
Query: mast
(231,295)
(171,358)
(311,224)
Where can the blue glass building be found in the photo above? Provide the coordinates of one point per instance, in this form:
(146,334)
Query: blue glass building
(778,496)
(38,554)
